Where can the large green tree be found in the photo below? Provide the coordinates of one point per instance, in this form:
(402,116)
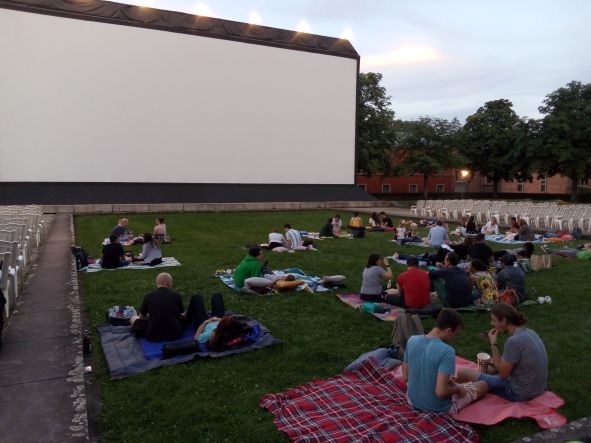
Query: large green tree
(375,126)
(490,142)
(566,133)
(426,146)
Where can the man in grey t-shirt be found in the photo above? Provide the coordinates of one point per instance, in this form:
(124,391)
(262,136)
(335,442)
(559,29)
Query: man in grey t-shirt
(437,235)
(522,370)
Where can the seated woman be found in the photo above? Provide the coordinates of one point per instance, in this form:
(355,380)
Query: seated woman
(491,228)
(484,288)
(412,237)
(276,240)
(219,331)
(522,369)
(374,277)
(151,254)
(374,222)
(401,231)
(326,229)
(337,224)
(582,252)
(160,230)
(356,221)
(525,232)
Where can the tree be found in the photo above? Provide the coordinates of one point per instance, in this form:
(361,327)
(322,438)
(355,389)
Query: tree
(566,133)
(375,126)
(490,142)
(426,146)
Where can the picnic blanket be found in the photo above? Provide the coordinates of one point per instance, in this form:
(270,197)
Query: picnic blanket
(492,409)
(391,313)
(313,281)
(125,355)
(166,261)
(414,243)
(501,239)
(401,261)
(368,404)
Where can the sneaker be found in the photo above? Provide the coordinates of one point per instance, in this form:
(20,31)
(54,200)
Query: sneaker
(548,299)
(312,248)
(541,300)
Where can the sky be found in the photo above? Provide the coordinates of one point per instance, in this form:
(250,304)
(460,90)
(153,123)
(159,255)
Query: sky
(442,58)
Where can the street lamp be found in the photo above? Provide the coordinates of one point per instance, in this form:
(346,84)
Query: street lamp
(463,176)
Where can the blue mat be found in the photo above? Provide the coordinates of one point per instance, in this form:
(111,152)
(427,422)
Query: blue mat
(153,349)
(125,355)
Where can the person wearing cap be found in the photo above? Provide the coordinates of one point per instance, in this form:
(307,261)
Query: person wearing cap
(413,286)
(511,277)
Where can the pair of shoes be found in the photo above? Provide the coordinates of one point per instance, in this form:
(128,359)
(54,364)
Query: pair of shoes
(547,299)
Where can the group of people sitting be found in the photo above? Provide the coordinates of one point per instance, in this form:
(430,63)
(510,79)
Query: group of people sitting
(518,230)
(289,241)
(519,373)
(162,318)
(114,255)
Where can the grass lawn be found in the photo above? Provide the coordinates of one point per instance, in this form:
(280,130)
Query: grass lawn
(217,399)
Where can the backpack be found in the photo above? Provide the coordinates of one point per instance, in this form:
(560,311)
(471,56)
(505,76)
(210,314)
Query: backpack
(120,315)
(81,257)
(577,233)
(358,233)
(405,326)
(509,297)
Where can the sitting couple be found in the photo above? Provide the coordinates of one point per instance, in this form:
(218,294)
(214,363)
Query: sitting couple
(114,255)
(162,317)
(429,364)
(290,242)
(250,276)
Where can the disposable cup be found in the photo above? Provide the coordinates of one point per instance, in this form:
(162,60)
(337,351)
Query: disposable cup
(483,360)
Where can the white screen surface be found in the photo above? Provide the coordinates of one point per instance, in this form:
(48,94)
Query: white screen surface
(83,101)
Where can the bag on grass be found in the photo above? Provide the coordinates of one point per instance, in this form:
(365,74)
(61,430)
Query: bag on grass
(524,264)
(81,257)
(405,326)
(540,262)
(120,315)
(509,297)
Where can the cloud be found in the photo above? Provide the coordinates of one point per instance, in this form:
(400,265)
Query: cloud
(407,55)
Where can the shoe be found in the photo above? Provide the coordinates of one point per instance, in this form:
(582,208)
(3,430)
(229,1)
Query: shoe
(548,299)
(312,248)
(541,300)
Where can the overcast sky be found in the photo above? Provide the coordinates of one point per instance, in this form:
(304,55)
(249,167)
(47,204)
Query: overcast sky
(443,58)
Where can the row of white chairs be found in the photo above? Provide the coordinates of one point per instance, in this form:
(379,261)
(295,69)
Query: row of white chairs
(546,215)
(21,230)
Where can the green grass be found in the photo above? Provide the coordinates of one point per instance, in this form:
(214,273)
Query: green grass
(217,400)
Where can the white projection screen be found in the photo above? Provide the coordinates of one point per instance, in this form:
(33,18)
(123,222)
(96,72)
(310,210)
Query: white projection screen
(85,101)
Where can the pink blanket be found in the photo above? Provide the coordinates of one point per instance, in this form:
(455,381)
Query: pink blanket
(355,302)
(493,409)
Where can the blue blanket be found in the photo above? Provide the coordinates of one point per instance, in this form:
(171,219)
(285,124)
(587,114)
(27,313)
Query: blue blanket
(125,356)
(313,281)
(503,240)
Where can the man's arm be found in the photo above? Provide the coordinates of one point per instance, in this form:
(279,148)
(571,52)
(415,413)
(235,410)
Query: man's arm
(503,367)
(445,388)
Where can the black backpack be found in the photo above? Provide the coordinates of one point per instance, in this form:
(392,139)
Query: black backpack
(81,257)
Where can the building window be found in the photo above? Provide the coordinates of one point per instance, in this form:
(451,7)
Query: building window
(439,188)
(413,189)
(487,180)
(519,185)
(542,185)
(583,182)
(362,186)
(386,189)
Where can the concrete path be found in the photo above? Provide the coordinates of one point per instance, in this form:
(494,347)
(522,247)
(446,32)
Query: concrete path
(42,391)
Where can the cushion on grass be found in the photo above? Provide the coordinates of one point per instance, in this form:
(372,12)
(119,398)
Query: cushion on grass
(335,279)
(285,286)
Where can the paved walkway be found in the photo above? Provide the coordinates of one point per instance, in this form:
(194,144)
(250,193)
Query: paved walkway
(42,391)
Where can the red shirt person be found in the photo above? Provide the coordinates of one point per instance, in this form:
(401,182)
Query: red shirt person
(414,285)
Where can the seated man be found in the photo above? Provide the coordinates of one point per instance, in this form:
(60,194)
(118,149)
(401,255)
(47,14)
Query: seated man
(413,286)
(294,239)
(161,314)
(480,250)
(430,365)
(249,267)
(511,277)
(451,283)
(437,235)
(326,229)
(113,254)
(522,370)
(121,230)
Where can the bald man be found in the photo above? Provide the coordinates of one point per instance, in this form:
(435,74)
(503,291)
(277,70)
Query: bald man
(162,314)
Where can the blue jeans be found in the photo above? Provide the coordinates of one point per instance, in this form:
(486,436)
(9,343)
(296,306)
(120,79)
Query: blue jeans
(498,386)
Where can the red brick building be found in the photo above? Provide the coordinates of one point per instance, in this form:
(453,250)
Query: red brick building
(446,183)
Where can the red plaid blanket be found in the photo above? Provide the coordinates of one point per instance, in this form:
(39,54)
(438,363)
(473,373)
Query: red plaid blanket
(367,405)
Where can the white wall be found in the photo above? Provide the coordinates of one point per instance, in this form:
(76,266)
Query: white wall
(88,101)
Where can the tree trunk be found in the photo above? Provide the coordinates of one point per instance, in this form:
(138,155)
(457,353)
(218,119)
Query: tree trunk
(574,188)
(425,189)
(495,188)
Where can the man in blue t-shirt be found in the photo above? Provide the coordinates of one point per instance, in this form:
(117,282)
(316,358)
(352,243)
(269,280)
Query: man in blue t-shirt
(429,367)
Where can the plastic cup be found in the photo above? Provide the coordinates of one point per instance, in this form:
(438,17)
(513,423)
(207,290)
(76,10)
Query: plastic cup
(483,360)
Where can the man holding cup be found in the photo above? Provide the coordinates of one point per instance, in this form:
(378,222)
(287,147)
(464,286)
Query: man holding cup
(522,370)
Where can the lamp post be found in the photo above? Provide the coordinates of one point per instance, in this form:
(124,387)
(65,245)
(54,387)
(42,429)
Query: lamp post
(463,176)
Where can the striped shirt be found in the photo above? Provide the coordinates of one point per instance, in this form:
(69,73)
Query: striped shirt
(294,238)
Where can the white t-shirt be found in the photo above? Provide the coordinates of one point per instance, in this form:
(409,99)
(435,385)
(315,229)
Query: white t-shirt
(276,237)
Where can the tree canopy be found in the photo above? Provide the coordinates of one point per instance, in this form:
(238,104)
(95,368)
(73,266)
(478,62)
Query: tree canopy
(375,126)
(566,133)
